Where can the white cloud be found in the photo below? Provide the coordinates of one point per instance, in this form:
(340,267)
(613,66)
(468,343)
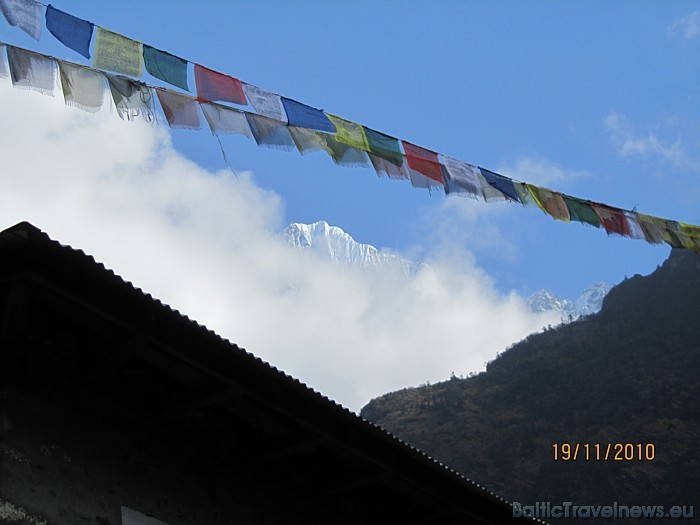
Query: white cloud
(647,144)
(206,243)
(687,27)
(541,172)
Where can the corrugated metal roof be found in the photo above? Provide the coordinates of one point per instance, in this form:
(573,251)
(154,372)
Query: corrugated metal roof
(328,413)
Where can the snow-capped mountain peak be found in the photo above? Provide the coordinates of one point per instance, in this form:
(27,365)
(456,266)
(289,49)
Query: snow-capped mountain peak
(334,243)
(588,302)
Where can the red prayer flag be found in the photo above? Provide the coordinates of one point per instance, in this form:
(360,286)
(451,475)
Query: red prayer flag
(424,161)
(212,85)
(612,219)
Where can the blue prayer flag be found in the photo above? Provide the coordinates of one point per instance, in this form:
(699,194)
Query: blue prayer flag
(69,30)
(305,116)
(501,183)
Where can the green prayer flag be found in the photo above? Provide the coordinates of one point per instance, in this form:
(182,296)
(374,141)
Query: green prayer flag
(166,67)
(581,211)
(384,146)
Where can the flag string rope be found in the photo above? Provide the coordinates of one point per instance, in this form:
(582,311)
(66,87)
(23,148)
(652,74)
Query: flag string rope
(348,143)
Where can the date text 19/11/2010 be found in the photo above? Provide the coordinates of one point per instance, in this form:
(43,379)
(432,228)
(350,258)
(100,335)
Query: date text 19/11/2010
(603,451)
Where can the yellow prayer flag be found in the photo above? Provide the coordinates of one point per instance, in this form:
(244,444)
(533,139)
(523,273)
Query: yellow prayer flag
(690,229)
(117,53)
(349,133)
(534,191)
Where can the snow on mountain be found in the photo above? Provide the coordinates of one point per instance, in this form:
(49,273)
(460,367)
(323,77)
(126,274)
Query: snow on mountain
(334,243)
(588,302)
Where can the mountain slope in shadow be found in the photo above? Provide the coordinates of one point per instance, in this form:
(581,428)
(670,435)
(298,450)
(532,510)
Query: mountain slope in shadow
(626,375)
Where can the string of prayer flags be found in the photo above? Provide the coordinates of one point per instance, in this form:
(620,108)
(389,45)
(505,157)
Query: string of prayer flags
(269,132)
(612,219)
(132,98)
(581,211)
(307,128)
(117,53)
(166,67)
(180,110)
(265,103)
(303,116)
(461,177)
(213,86)
(423,162)
(83,88)
(501,183)
(30,70)
(349,133)
(384,146)
(72,32)
(25,14)
(223,120)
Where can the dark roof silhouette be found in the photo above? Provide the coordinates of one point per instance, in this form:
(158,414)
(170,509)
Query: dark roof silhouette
(191,376)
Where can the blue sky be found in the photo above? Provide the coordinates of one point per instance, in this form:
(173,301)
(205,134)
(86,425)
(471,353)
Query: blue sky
(598,100)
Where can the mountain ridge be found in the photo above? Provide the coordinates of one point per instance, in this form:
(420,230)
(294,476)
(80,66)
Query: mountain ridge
(626,376)
(337,245)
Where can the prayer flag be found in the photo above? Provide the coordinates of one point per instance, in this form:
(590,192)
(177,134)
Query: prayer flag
(212,85)
(308,140)
(25,14)
(83,88)
(654,228)
(303,116)
(166,67)
(690,229)
(550,202)
(384,146)
(490,193)
(349,133)
(612,219)
(132,98)
(501,183)
(72,32)
(673,235)
(30,70)
(635,229)
(270,132)
(423,161)
(461,177)
(581,211)
(117,53)
(524,195)
(345,155)
(4,69)
(265,102)
(389,168)
(418,180)
(223,120)
(180,110)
